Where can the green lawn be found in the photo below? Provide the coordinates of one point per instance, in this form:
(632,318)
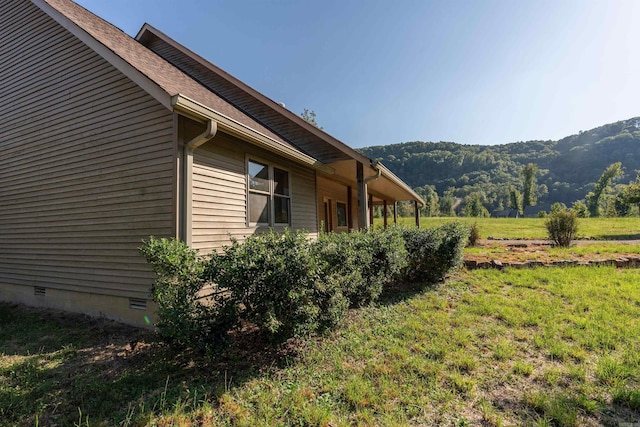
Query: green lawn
(534,228)
(535,347)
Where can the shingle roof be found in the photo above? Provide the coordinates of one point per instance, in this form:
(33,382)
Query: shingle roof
(303,135)
(169,78)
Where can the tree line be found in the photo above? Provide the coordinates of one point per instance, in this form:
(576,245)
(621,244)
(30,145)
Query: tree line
(595,168)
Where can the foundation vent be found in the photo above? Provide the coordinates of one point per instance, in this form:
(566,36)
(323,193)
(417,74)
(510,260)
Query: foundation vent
(137,304)
(39,291)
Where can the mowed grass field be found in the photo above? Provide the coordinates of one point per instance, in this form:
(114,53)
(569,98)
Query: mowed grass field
(534,228)
(538,347)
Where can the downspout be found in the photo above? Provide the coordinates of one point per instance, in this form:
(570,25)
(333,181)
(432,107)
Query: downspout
(187,178)
(210,132)
(365,181)
(376,176)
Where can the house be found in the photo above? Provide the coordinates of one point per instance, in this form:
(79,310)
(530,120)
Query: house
(500,213)
(107,139)
(507,213)
(531,212)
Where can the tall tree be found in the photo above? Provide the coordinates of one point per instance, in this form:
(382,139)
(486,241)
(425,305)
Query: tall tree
(431,199)
(515,199)
(474,206)
(602,185)
(631,193)
(529,192)
(446,205)
(310,116)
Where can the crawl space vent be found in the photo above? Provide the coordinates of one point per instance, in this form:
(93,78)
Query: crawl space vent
(39,291)
(137,304)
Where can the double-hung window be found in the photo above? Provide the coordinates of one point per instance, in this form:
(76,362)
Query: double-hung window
(341,213)
(269,195)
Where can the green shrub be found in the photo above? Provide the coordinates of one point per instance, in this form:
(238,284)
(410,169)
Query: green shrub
(184,317)
(286,284)
(474,234)
(433,252)
(581,210)
(362,262)
(276,281)
(562,226)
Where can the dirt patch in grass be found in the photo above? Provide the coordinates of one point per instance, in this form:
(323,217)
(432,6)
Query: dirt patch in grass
(582,251)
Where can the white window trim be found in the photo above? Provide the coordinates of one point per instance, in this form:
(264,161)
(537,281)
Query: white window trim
(271,194)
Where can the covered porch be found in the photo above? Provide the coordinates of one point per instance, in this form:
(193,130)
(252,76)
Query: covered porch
(346,197)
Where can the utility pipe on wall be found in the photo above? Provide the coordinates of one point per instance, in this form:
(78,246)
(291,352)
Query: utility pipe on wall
(187,178)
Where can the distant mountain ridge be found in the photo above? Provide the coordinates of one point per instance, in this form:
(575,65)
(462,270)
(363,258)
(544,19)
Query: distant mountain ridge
(568,168)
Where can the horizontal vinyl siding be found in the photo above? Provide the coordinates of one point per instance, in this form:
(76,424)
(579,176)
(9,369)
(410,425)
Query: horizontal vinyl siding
(303,200)
(86,163)
(219,192)
(219,202)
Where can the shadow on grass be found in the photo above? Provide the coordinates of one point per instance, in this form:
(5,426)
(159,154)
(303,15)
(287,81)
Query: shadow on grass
(402,291)
(634,236)
(66,369)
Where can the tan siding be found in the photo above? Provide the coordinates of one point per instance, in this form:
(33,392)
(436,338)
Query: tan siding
(303,207)
(219,192)
(86,164)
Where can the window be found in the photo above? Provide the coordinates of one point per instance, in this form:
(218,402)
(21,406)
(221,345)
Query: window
(269,201)
(341,213)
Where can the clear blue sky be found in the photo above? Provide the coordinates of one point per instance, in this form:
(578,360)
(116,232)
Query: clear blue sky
(378,72)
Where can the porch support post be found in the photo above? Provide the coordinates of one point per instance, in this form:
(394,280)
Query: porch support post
(362,197)
(416,209)
(349,208)
(395,212)
(370,210)
(385,213)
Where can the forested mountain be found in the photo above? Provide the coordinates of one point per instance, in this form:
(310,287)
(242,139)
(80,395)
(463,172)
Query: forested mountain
(567,169)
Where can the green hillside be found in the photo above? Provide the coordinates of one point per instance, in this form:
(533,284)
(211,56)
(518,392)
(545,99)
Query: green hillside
(568,168)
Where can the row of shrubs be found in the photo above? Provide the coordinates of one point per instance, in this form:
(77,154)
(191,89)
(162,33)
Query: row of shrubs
(287,284)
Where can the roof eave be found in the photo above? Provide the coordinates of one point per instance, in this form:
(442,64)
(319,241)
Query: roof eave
(327,138)
(397,181)
(195,110)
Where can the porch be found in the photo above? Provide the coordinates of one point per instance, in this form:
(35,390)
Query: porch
(346,197)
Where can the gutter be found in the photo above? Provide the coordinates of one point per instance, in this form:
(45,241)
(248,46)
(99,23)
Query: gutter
(382,171)
(397,181)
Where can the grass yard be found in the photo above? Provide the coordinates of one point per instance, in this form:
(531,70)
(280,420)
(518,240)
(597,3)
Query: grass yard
(539,347)
(520,252)
(534,228)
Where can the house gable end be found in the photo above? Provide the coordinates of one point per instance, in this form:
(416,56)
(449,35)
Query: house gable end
(154,74)
(105,51)
(87,171)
